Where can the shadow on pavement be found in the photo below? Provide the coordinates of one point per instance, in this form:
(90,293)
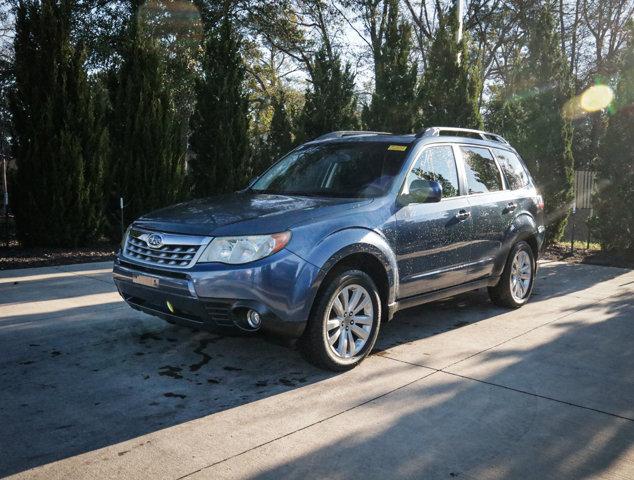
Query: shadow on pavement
(93,376)
(546,412)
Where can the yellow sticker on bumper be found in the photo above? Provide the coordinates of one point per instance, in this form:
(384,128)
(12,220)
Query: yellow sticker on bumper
(397,148)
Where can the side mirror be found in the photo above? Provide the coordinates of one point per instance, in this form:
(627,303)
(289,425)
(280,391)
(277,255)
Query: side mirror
(422,191)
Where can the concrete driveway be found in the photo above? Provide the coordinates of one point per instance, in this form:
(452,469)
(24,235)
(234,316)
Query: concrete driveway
(92,389)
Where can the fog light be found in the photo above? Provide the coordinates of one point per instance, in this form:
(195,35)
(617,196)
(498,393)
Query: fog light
(170,307)
(253,319)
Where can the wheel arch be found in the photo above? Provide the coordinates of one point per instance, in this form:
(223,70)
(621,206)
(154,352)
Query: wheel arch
(363,250)
(523,228)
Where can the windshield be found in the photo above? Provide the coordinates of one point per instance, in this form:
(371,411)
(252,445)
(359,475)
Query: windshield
(358,170)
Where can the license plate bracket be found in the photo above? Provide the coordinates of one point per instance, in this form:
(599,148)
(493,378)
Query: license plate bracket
(145,280)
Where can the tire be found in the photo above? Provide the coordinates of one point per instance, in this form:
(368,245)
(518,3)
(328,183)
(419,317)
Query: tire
(516,283)
(362,327)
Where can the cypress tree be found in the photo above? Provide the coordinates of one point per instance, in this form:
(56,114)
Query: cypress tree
(220,124)
(393,106)
(450,88)
(280,137)
(277,142)
(613,221)
(147,162)
(330,102)
(530,117)
(59,138)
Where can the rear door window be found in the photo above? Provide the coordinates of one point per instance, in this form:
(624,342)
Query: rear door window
(514,171)
(483,175)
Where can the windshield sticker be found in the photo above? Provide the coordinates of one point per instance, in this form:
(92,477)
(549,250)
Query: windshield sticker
(397,148)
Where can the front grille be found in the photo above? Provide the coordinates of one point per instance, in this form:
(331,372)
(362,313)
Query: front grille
(165,255)
(180,251)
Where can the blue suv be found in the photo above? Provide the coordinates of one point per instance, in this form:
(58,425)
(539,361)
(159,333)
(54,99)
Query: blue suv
(340,234)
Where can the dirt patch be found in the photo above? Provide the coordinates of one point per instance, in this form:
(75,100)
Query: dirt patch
(174,395)
(562,252)
(14,256)
(170,371)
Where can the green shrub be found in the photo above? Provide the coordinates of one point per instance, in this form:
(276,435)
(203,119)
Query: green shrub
(613,202)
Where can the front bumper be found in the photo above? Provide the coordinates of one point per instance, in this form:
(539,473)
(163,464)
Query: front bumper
(281,288)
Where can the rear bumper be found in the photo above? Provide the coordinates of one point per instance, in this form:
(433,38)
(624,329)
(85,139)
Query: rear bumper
(540,236)
(281,288)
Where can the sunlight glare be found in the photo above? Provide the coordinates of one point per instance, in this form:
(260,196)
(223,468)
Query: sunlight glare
(596,98)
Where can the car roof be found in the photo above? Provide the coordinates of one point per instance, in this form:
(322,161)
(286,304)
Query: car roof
(362,137)
(427,135)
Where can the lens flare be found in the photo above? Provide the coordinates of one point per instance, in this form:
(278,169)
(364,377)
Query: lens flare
(596,98)
(593,99)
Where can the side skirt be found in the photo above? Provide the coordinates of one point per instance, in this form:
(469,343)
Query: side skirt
(415,300)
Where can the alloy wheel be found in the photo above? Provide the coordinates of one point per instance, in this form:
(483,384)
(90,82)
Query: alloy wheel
(350,318)
(521,275)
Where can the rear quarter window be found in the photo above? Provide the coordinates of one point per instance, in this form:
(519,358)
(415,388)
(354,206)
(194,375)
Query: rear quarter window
(514,171)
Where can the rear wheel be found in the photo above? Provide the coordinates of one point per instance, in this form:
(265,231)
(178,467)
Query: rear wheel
(516,283)
(344,322)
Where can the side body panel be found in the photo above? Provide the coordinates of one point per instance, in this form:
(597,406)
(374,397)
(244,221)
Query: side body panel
(491,220)
(434,246)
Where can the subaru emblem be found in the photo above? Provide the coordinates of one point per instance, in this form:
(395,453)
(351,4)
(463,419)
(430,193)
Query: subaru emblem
(154,240)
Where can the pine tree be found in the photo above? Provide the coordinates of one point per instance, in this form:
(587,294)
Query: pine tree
(613,203)
(529,116)
(330,101)
(220,123)
(450,89)
(147,162)
(393,102)
(59,138)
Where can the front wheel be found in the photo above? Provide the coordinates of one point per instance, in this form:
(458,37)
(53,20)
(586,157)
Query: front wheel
(344,322)
(516,283)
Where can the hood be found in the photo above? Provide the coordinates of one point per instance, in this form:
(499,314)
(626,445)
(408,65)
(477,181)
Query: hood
(243,214)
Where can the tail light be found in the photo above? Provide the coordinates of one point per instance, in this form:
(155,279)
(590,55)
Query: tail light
(539,201)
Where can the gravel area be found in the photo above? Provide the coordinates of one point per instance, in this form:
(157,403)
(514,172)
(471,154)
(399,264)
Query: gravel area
(17,257)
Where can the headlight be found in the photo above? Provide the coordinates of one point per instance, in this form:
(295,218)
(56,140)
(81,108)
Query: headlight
(237,250)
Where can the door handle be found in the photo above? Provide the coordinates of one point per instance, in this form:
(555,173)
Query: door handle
(511,206)
(462,215)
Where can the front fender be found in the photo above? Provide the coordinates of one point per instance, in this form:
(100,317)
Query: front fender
(343,243)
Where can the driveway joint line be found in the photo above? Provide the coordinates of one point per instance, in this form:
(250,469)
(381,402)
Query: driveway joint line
(79,274)
(513,389)
(305,427)
(545,397)
(444,369)
(530,330)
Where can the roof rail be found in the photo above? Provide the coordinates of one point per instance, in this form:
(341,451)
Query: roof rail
(435,132)
(349,133)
